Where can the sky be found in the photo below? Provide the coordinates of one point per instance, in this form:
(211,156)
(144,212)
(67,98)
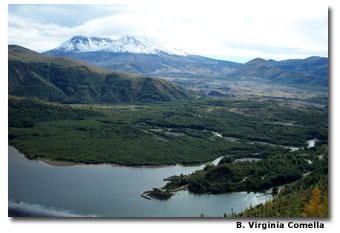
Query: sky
(237,32)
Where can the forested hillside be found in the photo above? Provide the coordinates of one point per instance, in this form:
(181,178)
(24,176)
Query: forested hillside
(63,80)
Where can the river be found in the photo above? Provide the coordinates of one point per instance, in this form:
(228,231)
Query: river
(311,143)
(112,191)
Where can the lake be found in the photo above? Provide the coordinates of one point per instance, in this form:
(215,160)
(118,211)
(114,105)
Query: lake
(113,191)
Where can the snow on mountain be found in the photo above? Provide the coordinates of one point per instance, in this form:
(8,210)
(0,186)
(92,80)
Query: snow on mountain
(125,44)
(84,44)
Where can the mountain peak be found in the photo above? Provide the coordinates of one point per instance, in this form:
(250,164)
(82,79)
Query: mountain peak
(258,60)
(78,38)
(125,44)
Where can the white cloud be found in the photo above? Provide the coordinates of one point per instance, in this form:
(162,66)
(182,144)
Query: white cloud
(206,29)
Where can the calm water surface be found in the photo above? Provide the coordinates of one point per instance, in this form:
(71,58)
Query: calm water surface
(113,191)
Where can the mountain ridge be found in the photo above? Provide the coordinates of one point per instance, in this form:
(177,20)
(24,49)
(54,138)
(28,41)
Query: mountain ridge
(151,60)
(292,72)
(64,80)
(314,65)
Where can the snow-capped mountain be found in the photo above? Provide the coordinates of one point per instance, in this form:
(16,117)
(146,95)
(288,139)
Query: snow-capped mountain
(125,44)
(141,55)
(84,44)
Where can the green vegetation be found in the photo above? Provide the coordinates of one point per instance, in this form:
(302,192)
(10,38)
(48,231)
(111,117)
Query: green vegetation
(307,197)
(159,134)
(276,167)
(64,80)
(250,176)
(269,166)
(92,122)
(160,194)
(120,138)
(25,113)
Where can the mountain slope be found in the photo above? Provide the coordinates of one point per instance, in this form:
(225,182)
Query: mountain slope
(317,66)
(65,80)
(141,55)
(276,72)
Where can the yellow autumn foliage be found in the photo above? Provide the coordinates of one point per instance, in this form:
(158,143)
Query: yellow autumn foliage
(314,208)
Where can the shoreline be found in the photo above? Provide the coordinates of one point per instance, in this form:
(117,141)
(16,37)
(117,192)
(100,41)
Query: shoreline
(150,194)
(60,163)
(145,194)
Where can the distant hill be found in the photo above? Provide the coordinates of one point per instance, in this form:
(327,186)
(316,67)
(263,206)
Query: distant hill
(215,93)
(147,56)
(31,74)
(141,55)
(310,73)
(317,66)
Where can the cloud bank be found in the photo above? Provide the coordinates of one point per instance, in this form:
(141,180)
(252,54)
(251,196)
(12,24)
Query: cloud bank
(241,31)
